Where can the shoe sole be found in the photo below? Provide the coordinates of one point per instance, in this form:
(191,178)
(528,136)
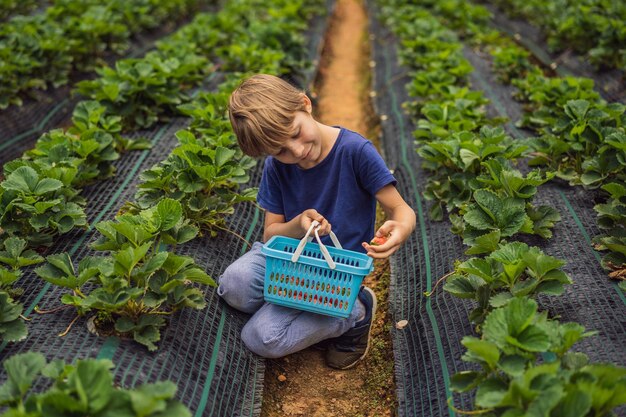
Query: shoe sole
(369,335)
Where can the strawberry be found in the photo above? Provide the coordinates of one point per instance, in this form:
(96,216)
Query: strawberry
(377,241)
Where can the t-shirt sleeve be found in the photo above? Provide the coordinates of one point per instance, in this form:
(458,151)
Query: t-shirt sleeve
(270,196)
(373,172)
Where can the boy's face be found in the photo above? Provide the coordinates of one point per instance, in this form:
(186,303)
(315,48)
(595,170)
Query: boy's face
(305,146)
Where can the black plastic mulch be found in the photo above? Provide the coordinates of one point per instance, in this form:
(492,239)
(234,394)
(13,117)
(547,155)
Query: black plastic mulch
(201,351)
(21,126)
(611,84)
(428,350)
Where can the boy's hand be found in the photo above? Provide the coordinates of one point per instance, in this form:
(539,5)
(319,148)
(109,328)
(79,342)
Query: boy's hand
(387,240)
(307,217)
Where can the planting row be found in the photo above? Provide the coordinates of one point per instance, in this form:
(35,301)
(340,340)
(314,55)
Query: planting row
(525,358)
(594,28)
(580,137)
(44,49)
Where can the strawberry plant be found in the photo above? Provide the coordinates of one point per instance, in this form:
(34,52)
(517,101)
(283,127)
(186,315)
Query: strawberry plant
(494,215)
(205,180)
(512,270)
(90,117)
(586,144)
(37,208)
(85,388)
(510,62)
(512,381)
(138,283)
(456,161)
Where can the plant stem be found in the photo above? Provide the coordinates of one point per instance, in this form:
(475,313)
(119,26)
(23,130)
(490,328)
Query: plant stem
(69,327)
(429,293)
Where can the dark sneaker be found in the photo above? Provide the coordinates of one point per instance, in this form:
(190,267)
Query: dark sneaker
(348,349)
(323,344)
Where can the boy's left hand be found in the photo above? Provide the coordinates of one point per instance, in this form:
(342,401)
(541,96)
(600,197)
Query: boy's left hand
(394,234)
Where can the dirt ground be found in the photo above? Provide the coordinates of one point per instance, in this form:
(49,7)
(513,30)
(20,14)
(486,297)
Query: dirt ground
(301,384)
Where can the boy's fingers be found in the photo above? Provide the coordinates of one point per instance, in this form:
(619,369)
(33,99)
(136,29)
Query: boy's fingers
(379,251)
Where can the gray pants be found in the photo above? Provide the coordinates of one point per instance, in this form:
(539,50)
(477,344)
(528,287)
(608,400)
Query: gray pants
(274,331)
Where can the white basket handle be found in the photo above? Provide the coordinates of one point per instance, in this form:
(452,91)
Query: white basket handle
(315,225)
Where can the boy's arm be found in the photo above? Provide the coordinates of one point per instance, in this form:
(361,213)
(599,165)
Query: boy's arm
(297,227)
(398,227)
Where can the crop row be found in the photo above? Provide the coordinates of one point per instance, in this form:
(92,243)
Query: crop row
(44,49)
(580,137)
(594,28)
(524,359)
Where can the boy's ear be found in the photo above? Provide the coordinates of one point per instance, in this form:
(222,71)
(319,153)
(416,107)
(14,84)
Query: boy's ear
(307,103)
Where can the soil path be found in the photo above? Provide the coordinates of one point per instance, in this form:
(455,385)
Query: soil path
(301,384)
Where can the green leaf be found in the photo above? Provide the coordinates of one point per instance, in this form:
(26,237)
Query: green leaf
(540,263)
(148,336)
(492,212)
(511,325)
(577,109)
(111,91)
(47,185)
(462,286)
(482,349)
(154,262)
(22,369)
(532,339)
(93,382)
(485,243)
(575,360)
(61,261)
(14,330)
(24,179)
(151,398)
(500,299)
(126,259)
(513,365)
(223,155)
(464,381)
(168,214)
(575,403)
(199,276)
(491,393)
(480,267)
(180,234)
(124,324)
(468,157)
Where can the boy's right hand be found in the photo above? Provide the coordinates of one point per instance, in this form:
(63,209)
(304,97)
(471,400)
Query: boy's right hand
(308,216)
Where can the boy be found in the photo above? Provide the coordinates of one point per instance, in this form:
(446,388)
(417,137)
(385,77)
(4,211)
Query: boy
(313,172)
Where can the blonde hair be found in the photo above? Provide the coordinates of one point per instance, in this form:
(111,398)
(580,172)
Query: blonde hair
(262,110)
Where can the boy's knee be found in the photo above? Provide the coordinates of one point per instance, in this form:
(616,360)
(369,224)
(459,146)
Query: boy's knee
(234,289)
(263,342)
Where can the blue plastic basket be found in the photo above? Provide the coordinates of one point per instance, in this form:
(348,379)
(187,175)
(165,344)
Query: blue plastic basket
(310,284)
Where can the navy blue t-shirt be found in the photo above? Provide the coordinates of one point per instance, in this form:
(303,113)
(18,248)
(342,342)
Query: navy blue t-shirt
(341,188)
